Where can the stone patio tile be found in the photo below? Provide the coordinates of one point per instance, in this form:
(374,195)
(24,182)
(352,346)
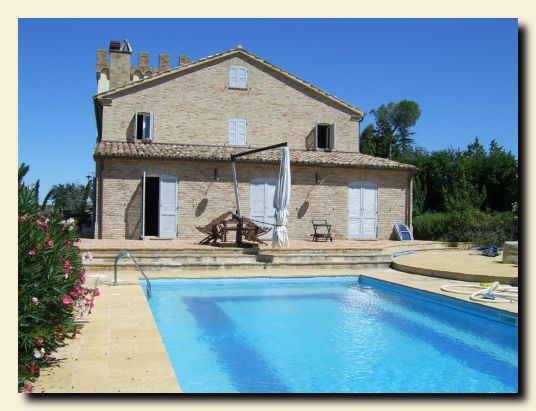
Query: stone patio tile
(141,372)
(150,344)
(120,324)
(126,346)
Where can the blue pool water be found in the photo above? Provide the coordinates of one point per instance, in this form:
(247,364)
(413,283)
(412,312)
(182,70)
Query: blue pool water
(330,335)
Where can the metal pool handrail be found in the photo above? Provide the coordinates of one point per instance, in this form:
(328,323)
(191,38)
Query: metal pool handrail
(127,254)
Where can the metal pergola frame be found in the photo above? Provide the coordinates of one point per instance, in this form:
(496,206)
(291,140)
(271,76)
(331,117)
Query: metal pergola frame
(238,214)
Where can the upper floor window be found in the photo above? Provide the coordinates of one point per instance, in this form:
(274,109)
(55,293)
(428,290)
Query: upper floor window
(238,77)
(143,126)
(237,132)
(325,136)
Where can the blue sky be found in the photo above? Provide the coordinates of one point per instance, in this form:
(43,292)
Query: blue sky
(462,72)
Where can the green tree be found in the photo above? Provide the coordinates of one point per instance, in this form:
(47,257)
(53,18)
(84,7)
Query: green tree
(70,199)
(390,136)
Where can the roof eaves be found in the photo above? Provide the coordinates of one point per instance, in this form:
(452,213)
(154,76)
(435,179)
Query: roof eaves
(154,154)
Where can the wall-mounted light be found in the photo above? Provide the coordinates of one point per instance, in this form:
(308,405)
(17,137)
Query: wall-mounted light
(216,174)
(318,179)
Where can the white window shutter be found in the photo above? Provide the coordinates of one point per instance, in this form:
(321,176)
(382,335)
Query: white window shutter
(168,206)
(135,128)
(242,77)
(151,131)
(233,76)
(332,136)
(241,132)
(232,131)
(147,125)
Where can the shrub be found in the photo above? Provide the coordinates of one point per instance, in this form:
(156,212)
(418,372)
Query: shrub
(468,225)
(431,226)
(51,286)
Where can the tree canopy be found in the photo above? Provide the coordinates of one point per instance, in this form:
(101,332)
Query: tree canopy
(70,199)
(391,133)
(449,179)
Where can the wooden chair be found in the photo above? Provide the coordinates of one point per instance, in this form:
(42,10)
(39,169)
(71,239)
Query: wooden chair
(213,230)
(322,230)
(252,231)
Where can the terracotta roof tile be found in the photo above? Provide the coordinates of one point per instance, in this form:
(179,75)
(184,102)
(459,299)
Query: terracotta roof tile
(217,153)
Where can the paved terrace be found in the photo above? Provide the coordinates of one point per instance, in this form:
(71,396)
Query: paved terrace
(459,265)
(156,243)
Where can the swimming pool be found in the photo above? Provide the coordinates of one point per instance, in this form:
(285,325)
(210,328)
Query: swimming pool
(330,335)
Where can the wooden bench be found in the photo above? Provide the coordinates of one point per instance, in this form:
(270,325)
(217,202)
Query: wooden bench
(322,230)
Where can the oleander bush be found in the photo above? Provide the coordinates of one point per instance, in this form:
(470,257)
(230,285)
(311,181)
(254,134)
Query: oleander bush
(51,284)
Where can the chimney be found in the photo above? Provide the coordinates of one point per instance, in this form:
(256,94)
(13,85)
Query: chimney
(120,53)
(163,62)
(143,60)
(184,60)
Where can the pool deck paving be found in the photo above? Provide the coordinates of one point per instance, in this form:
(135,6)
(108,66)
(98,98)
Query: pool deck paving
(459,265)
(120,349)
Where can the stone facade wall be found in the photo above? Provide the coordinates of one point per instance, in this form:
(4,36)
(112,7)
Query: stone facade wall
(194,107)
(201,197)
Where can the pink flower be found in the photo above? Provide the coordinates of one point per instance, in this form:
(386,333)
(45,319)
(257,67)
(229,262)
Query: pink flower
(50,243)
(67,267)
(42,221)
(27,388)
(83,277)
(39,341)
(35,300)
(67,300)
(31,253)
(22,219)
(96,292)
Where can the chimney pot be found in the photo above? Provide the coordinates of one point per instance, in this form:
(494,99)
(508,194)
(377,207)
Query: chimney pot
(184,60)
(115,45)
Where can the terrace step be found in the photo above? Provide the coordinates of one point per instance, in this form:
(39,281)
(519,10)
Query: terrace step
(215,258)
(206,262)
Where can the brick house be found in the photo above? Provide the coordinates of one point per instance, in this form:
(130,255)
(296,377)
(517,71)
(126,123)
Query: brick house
(164,138)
